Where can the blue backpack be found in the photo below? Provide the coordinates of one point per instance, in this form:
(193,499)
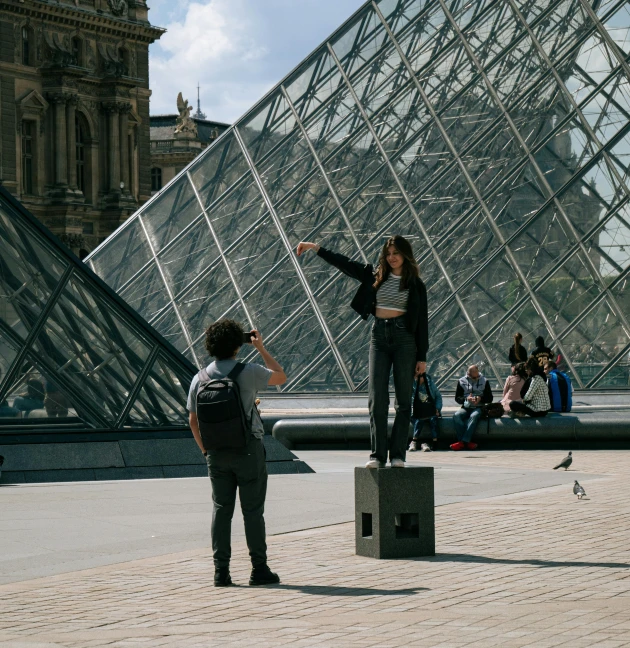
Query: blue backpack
(559,391)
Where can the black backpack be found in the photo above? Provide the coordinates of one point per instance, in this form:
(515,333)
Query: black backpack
(222,421)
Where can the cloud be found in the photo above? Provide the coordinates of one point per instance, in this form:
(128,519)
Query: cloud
(236,49)
(216,45)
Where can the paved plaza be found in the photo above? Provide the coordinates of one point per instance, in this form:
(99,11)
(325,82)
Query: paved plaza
(520,562)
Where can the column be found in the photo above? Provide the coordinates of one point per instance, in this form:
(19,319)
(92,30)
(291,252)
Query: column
(71,136)
(113,146)
(61,150)
(124,146)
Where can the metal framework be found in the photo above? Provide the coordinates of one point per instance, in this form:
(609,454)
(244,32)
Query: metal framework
(71,351)
(495,134)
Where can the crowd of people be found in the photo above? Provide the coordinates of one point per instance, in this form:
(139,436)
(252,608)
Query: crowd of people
(535,387)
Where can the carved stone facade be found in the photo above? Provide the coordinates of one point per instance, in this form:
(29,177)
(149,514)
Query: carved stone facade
(176,140)
(74,112)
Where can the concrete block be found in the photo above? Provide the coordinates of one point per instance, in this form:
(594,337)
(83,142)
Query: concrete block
(186,471)
(288,468)
(61,456)
(276,451)
(143,472)
(11,477)
(161,452)
(394,512)
(42,476)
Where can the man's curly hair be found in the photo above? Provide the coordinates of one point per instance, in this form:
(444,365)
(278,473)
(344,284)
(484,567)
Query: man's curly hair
(223,338)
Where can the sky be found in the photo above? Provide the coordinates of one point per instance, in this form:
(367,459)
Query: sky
(236,49)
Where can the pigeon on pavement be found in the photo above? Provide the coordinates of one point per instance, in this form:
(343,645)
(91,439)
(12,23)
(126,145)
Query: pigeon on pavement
(565,463)
(578,490)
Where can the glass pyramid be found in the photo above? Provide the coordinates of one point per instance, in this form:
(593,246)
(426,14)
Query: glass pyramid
(72,353)
(494,134)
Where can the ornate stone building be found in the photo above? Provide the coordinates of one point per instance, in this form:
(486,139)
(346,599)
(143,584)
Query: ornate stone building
(176,140)
(74,112)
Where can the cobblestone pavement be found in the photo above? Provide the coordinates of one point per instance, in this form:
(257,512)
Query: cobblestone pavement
(536,569)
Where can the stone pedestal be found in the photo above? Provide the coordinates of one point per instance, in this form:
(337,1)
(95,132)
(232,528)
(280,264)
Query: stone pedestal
(394,512)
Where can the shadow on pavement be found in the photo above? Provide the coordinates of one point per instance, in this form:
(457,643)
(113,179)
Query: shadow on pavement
(444,557)
(329,590)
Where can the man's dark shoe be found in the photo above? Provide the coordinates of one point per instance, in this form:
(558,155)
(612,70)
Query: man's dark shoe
(222,577)
(262,575)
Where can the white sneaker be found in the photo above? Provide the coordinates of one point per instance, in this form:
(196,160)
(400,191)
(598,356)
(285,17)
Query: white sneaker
(425,447)
(412,447)
(374,463)
(398,463)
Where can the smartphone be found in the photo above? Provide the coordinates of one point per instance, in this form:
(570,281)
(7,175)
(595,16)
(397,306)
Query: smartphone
(247,337)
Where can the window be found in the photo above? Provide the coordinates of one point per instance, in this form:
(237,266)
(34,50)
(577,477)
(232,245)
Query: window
(88,227)
(123,57)
(26,46)
(28,132)
(77,51)
(156,179)
(80,153)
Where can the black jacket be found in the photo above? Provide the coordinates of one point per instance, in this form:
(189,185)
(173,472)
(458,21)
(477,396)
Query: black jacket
(364,301)
(522,351)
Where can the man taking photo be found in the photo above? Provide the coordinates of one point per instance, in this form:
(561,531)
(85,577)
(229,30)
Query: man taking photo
(229,432)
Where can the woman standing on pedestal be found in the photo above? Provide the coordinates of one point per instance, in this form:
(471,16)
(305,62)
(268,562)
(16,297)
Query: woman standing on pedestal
(397,297)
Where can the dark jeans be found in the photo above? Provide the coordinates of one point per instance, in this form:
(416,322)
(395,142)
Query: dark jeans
(465,422)
(391,345)
(247,472)
(418,424)
(517,406)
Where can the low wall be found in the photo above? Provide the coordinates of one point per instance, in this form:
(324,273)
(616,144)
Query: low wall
(582,426)
(122,459)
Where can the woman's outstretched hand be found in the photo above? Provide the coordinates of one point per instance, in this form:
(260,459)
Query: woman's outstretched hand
(303,246)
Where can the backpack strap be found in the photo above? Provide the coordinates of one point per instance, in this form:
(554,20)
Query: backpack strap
(236,372)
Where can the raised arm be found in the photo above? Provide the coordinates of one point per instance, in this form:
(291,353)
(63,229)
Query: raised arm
(354,269)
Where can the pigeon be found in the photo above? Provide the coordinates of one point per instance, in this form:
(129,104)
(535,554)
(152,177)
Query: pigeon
(565,463)
(578,490)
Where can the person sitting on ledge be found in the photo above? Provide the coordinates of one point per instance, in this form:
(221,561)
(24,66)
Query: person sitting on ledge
(473,391)
(513,386)
(536,399)
(32,400)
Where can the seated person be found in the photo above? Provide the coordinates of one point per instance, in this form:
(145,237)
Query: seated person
(427,392)
(536,399)
(6,411)
(560,388)
(472,392)
(56,403)
(513,385)
(33,399)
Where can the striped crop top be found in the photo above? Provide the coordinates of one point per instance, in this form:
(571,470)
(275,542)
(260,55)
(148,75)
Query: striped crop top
(390,296)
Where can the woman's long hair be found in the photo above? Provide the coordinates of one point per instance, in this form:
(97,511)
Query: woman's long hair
(410,268)
(517,343)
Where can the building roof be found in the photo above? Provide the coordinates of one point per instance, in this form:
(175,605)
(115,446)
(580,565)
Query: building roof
(163,128)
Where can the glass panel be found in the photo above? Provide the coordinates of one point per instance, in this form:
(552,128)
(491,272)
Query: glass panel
(525,320)
(35,396)
(595,342)
(325,376)
(171,330)
(189,256)
(125,254)
(161,401)
(146,293)
(492,293)
(170,213)
(207,301)
(609,248)
(217,169)
(542,244)
(93,349)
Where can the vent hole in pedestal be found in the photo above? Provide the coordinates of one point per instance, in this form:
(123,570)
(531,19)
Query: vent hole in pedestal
(366,525)
(407,525)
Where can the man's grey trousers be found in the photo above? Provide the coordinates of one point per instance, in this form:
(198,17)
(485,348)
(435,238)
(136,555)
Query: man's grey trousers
(246,472)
